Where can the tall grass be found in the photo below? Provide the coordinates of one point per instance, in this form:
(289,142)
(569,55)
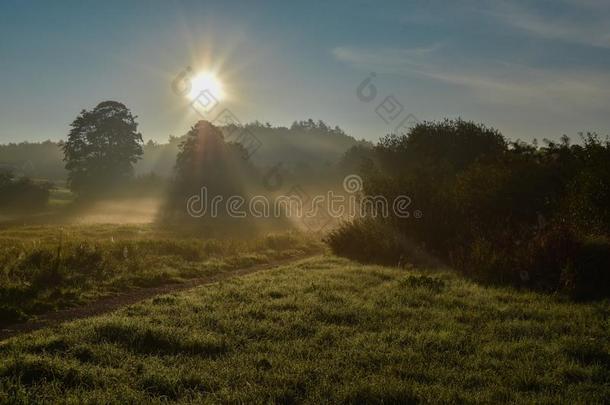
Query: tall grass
(43,269)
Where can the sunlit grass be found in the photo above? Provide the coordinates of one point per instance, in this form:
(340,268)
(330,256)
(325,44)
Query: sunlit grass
(60,196)
(323,330)
(46,268)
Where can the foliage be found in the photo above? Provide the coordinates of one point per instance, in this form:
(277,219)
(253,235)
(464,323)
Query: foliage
(449,145)
(587,201)
(313,146)
(206,162)
(205,159)
(494,209)
(102,147)
(371,241)
(33,160)
(19,194)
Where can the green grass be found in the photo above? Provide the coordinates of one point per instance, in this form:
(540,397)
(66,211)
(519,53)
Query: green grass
(60,196)
(323,330)
(47,268)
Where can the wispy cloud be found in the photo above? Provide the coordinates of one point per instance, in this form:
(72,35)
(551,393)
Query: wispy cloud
(390,60)
(490,80)
(587,23)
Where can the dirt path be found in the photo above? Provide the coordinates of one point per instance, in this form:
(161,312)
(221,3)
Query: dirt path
(109,304)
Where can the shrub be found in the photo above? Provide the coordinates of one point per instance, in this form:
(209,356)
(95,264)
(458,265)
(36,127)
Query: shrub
(280,241)
(371,241)
(587,199)
(544,255)
(23,193)
(501,212)
(366,240)
(587,276)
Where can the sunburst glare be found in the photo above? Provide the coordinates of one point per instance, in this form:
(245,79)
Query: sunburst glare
(206,82)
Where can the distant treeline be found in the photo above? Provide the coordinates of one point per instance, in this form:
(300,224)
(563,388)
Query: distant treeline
(306,146)
(33,159)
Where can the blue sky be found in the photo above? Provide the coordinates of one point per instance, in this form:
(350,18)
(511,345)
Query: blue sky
(531,69)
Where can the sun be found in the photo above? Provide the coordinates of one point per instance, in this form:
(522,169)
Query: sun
(204,84)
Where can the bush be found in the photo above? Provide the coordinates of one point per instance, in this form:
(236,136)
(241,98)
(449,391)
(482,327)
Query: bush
(23,193)
(587,200)
(509,213)
(545,254)
(588,275)
(371,241)
(533,259)
(366,240)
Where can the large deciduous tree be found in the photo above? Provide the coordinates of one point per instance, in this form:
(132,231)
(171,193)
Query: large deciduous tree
(102,147)
(206,160)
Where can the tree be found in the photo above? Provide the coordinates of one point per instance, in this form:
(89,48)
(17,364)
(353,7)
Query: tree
(447,147)
(206,160)
(102,147)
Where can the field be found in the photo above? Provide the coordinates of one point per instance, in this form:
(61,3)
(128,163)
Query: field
(44,268)
(305,203)
(320,330)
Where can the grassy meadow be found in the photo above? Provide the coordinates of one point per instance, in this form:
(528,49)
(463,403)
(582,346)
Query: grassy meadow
(212,202)
(45,268)
(323,330)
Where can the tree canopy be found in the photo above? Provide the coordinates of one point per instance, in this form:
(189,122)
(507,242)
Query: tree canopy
(102,147)
(206,160)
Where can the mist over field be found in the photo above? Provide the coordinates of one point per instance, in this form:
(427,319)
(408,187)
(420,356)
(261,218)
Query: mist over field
(221,202)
